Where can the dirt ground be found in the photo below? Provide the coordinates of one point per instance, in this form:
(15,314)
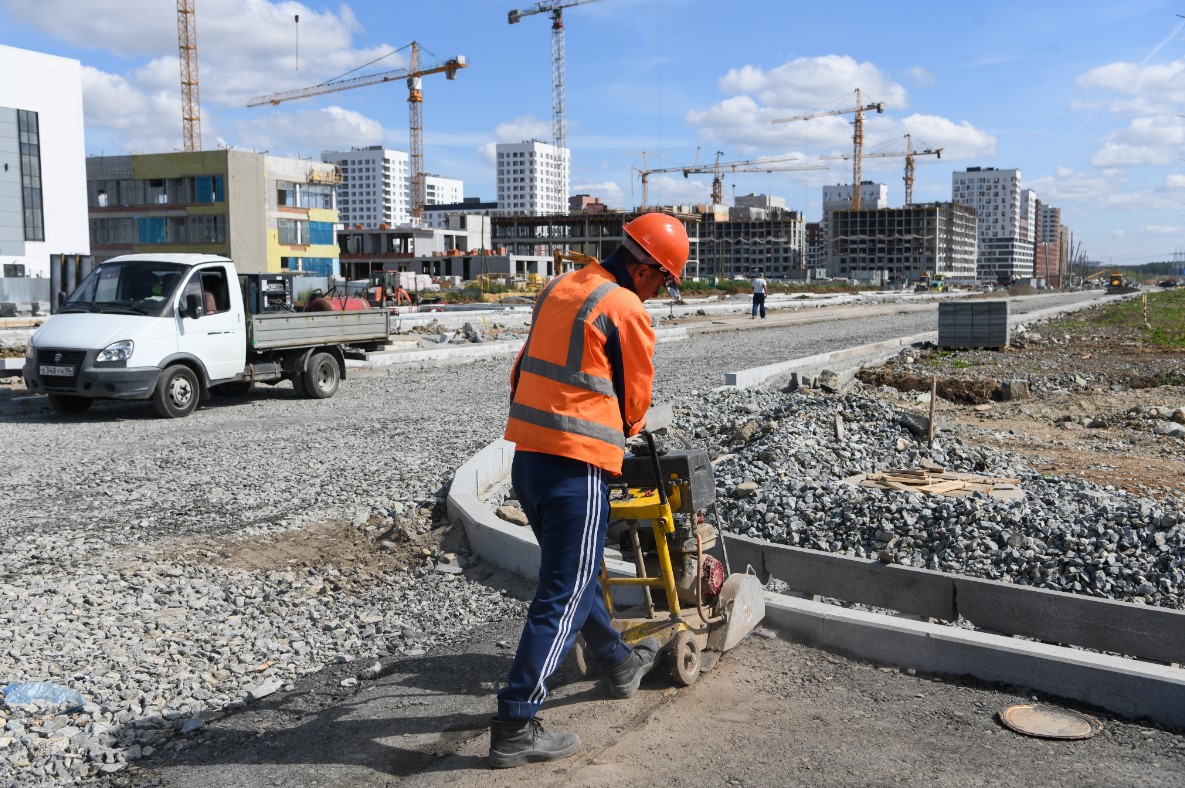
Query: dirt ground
(1089,410)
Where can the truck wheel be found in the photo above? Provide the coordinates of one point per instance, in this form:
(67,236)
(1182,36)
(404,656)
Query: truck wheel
(177,392)
(321,376)
(68,405)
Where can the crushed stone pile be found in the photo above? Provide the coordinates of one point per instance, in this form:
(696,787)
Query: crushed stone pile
(779,471)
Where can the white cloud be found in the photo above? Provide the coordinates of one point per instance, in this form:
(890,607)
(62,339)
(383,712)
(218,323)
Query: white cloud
(298,133)
(610,192)
(523,128)
(1164,82)
(814,83)
(1174,181)
(745,121)
(922,77)
(1159,229)
(1144,141)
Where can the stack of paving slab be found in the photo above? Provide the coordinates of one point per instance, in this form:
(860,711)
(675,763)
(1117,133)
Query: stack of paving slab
(973,324)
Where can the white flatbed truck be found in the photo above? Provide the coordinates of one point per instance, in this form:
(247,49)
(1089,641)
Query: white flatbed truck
(173,328)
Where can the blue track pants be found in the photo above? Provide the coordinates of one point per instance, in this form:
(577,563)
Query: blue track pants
(567,504)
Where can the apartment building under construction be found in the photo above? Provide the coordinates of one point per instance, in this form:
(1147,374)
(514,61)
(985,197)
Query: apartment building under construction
(896,245)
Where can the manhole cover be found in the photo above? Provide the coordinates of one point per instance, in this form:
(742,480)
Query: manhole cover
(1048,722)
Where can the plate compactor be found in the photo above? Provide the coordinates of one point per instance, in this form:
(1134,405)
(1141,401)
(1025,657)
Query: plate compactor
(701,609)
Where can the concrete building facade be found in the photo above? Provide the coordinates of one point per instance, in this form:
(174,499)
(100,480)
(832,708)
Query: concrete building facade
(1007,221)
(266,213)
(754,239)
(532,178)
(839,197)
(899,245)
(42,166)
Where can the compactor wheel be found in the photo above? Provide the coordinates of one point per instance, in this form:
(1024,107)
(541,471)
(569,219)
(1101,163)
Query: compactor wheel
(685,659)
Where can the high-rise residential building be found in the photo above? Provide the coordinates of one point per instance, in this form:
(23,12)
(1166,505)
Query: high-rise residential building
(442,191)
(375,188)
(1007,221)
(532,178)
(267,213)
(43,171)
(898,245)
(1051,258)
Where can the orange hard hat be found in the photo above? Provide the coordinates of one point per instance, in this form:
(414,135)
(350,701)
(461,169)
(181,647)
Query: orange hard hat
(663,238)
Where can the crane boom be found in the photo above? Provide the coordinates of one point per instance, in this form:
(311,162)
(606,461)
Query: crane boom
(415,101)
(559,112)
(909,153)
(857,136)
(191,122)
(765,164)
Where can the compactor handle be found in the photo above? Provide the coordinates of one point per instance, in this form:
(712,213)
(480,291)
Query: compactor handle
(661,483)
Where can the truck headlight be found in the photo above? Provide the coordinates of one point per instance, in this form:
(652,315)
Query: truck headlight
(29,352)
(116,352)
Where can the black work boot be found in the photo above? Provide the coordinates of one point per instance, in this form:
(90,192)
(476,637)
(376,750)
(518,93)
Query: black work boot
(515,742)
(626,675)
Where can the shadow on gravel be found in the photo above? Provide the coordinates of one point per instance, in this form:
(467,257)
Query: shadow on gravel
(418,711)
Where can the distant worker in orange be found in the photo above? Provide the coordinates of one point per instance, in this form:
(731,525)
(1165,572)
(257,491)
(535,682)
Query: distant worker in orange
(401,296)
(581,385)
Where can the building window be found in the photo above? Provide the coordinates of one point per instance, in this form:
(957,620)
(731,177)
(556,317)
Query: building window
(293,232)
(209,188)
(30,152)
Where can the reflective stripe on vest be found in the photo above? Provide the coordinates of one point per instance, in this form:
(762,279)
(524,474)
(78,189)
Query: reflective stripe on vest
(569,424)
(570,372)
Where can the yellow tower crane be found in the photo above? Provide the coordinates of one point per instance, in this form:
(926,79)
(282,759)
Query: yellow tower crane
(555,8)
(717,170)
(857,137)
(415,101)
(909,153)
(191,122)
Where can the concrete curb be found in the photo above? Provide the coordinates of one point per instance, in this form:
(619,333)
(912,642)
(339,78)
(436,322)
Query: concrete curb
(1127,687)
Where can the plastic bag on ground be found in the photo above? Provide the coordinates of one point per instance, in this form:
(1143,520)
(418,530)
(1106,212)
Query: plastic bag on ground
(54,694)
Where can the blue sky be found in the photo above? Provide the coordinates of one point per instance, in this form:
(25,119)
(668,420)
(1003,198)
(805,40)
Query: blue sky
(1087,99)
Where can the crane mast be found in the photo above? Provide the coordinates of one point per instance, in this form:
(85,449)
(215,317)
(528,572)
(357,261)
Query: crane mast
(415,104)
(191,122)
(857,136)
(554,9)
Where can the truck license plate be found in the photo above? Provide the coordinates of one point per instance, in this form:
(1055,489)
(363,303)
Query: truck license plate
(63,372)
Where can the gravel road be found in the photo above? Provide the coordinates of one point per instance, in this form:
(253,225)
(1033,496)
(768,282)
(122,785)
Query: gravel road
(157,566)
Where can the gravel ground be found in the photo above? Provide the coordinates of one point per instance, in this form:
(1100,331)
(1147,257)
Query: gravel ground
(171,570)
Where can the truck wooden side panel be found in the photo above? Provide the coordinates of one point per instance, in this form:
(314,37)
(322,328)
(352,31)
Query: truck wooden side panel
(278,330)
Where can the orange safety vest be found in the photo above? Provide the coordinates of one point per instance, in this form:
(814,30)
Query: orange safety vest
(582,381)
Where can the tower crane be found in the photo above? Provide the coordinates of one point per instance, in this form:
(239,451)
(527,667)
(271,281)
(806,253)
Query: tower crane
(555,8)
(857,137)
(717,170)
(191,122)
(909,153)
(415,101)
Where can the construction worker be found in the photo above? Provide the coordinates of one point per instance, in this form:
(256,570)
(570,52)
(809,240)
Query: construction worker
(580,386)
(401,296)
(759,288)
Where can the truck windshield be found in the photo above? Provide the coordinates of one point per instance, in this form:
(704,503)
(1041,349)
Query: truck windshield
(139,287)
